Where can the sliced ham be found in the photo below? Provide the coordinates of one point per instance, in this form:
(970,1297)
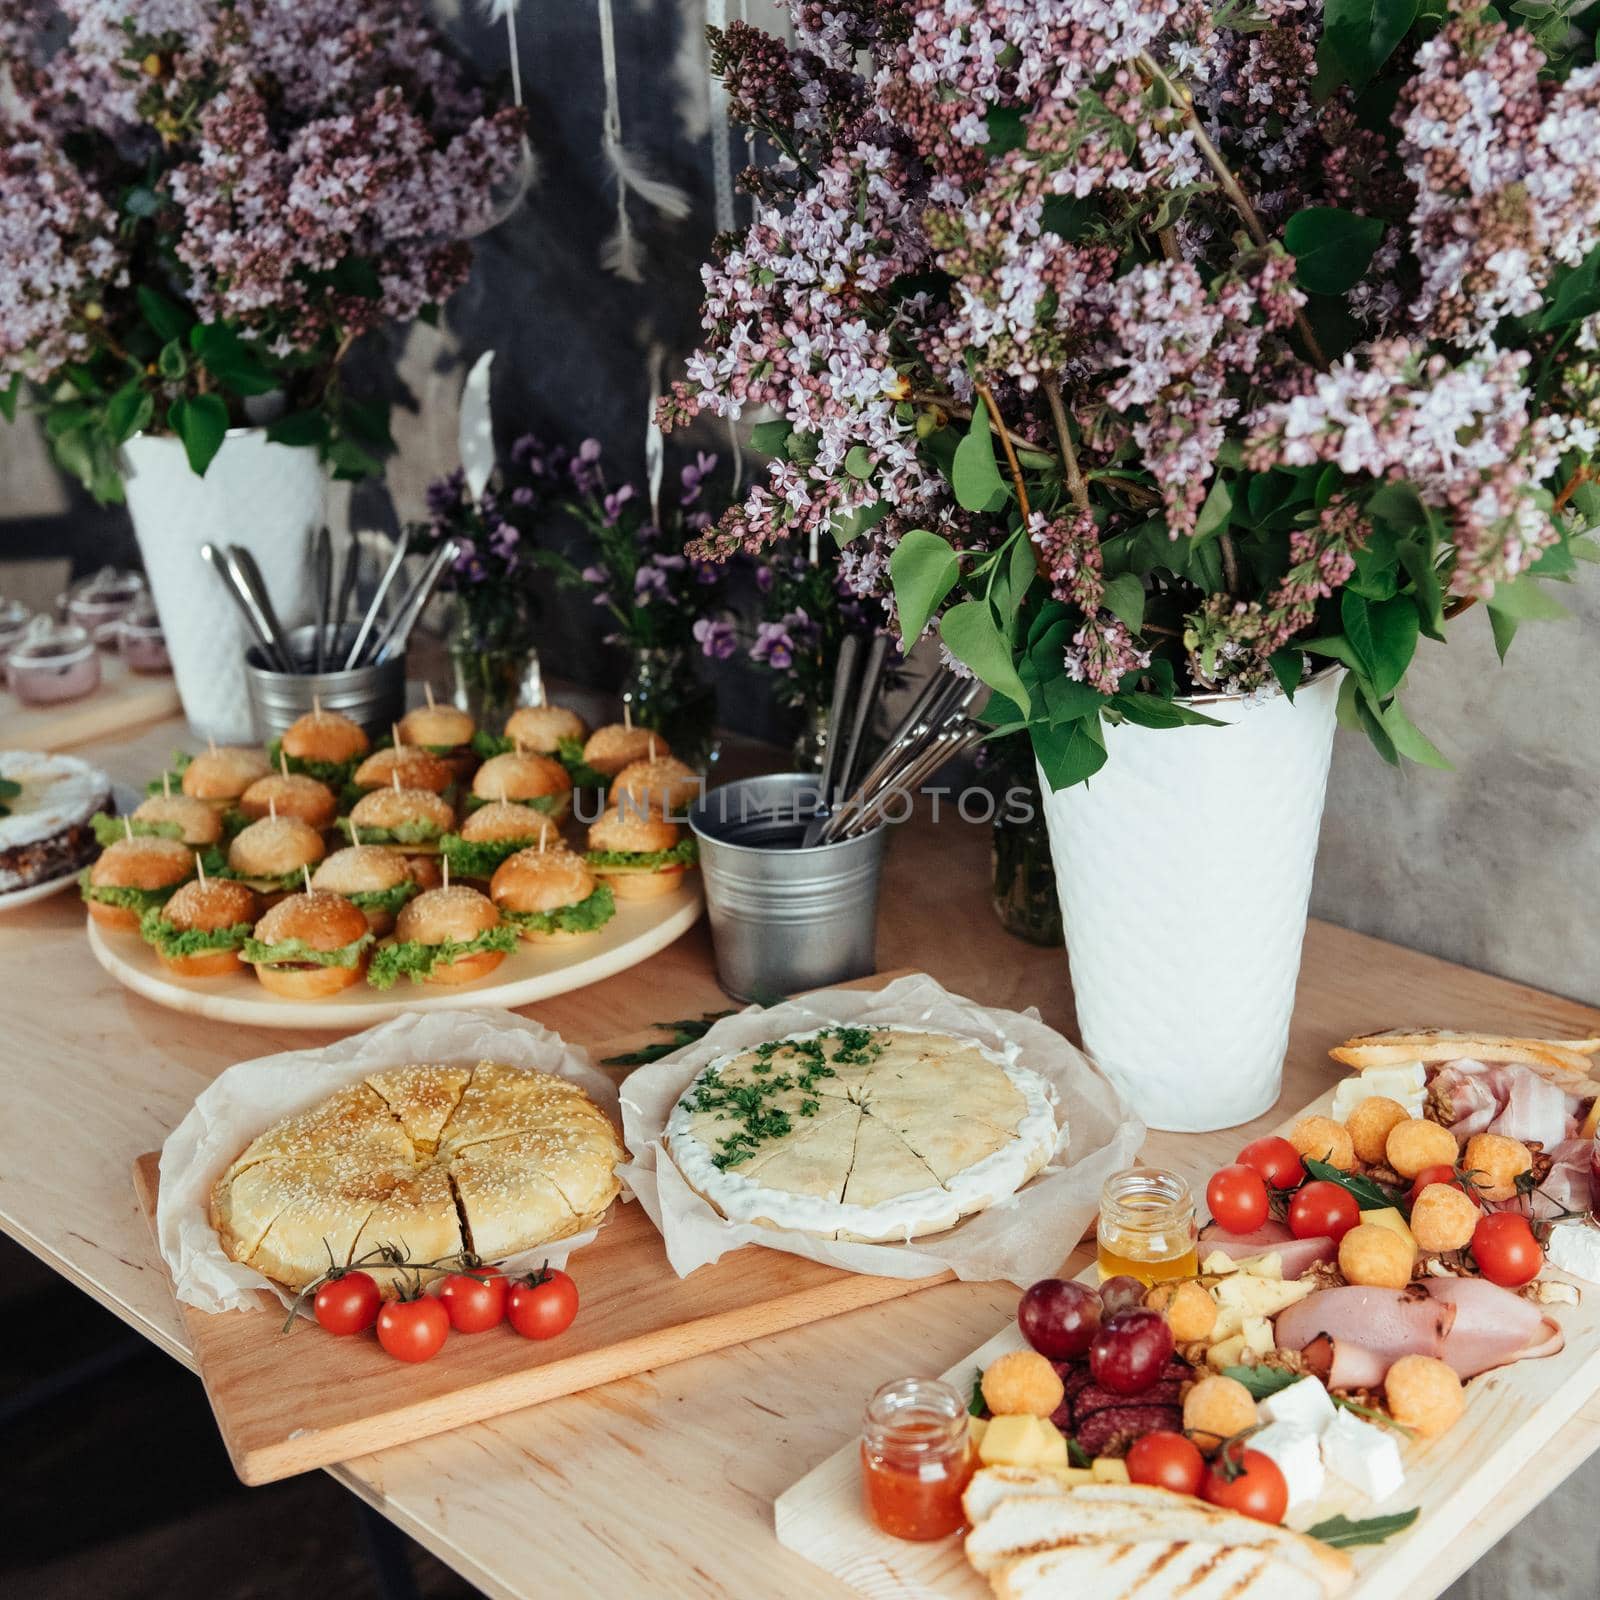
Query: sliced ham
(1506,1098)
(1298,1256)
(1465,1087)
(1492,1327)
(1536,1110)
(1567,1186)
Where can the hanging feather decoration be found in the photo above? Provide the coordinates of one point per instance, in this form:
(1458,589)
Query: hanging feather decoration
(475,429)
(527,164)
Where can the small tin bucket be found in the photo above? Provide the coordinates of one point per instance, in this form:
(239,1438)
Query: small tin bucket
(784,919)
(373,696)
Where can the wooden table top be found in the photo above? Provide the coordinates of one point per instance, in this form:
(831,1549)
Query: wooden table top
(663,1484)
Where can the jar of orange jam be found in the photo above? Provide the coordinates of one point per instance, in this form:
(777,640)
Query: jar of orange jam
(1147,1227)
(916,1458)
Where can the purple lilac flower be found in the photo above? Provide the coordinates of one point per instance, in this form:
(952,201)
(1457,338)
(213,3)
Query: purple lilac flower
(717,639)
(522,495)
(650,582)
(694,475)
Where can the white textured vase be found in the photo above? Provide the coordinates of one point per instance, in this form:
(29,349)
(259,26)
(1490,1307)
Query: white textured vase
(267,497)
(1184,870)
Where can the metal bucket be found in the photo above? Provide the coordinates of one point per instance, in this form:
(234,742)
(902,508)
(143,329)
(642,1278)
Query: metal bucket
(784,919)
(373,696)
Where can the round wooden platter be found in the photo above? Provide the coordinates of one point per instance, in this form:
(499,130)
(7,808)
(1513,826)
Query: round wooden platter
(530,973)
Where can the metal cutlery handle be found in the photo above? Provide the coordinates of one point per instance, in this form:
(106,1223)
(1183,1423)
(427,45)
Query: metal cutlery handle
(322,574)
(250,573)
(239,593)
(402,548)
(866,704)
(843,674)
(398,629)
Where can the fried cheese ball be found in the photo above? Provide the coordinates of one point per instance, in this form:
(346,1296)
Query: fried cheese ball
(1215,1409)
(1021,1383)
(1369,1126)
(1323,1139)
(1425,1394)
(1443,1218)
(1376,1257)
(1493,1163)
(1417,1143)
(1191,1313)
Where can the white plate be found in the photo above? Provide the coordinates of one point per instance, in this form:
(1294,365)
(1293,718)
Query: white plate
(125,799)
(531,972)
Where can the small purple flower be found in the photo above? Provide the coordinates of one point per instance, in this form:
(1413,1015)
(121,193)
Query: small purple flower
(446,494)
(694,475)
(765,578)
(650,582)
(717,639)
(707,573)
(587,477)
(773,646)
(615,501)
(522,496)
(504,541)
(670,563)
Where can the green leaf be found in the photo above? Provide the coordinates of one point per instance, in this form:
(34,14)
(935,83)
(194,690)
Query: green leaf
(1069,754)
(351,461)
(1417,559)
(975,475)
(172,362)
(202,423)
(1332,248)
(1504,629)
(299,429)
(1334,645)
(227,359)
(1288,667)
(1369,1196)
(1215,511)
(923,569)
(1151,711)
(1524,600)
(1577,295)
(1409,740)
(9,397)
(1358,36)
(858,461)
(971,635)
(770,437)
(1002,714)
(1124,598)
(128,410)
(1383,636)
(169,319)
(855,523)
(1019,578)
(1262,1381)
(1584,549)
(1006,131)
(1340,1531)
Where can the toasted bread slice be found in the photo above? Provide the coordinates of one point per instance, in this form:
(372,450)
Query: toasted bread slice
(1155,1570)
(1564,1064)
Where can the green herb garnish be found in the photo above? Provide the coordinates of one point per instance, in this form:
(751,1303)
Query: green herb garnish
(387,900)
(478,858)
(684,1031)
(173,776)
(108,829)
(1262,1381)
(336,774)
(546,803)
(569,752)
(1341,1532)
(421,831)
(1369,1196)
(9,790)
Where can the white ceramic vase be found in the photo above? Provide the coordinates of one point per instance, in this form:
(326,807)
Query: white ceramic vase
(1184,870)
(267,497)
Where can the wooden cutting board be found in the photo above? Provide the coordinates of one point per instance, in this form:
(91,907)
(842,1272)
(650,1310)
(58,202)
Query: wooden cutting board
(286,1403)
(1511,1414)
(123,701)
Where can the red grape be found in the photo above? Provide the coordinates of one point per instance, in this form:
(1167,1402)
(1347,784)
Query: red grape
(1130,1350)
(1121,1293)
(1059,1318)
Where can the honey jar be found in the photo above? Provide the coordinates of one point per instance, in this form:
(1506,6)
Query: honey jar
(916,1458)
(1147,1227)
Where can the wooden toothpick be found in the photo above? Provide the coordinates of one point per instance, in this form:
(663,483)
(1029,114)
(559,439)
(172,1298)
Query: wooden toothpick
(444,868)
(427,689)
(396,776)
(127,829)
(283,762)
(316,706)
(272,806)
(200,868)
(211,745)
(355,832)
(166,784)
(650,747)
(394,733)
(305,873)
(627,715)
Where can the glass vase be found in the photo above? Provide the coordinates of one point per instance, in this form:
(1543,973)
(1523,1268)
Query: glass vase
(492,656)
(663,691)
(1024,893)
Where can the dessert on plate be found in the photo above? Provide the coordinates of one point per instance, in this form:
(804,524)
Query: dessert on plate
(46,827)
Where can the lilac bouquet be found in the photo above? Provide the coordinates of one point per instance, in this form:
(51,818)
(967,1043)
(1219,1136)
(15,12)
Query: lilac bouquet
(1143,350)
(205,204)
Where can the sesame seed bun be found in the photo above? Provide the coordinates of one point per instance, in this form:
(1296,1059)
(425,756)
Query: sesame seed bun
(542,728)
(361,869)
(393,808)
(142,862)
(442,915)
(627,829)
(508,820)
(665,784)
(524,777)
(324,922)
(439,726)
(206,907)
(275,846)
(291,795)
(221,776)
(615,746)
(324,736)
(417,768)
(542,880)
(201,822)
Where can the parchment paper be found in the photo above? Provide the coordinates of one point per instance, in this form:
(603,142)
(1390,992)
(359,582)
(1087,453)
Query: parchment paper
(251,1096)
(1022,1238)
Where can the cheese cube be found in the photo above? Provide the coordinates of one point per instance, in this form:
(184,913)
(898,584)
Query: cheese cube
(1022,1442)
(1406,1083)
(1298,1455)
(1267,1266)
(1109,1469)
(1304,1405)
(976,1428)
(1388,1217)
(1230,1320)
(1258,1336)
(1218,1264)
(1073,1477)
(1365,1456)
(1259,1297)
(1575,1247)
(1227,1353)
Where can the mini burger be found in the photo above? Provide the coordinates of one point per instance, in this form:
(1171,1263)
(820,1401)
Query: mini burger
(663,786)
(414,819)
(492,833)
(614,747)
(133,875)
(551,896)
(220,776)
(322,745)
(415,769)
(166,816)
(271,855)
(200,931)
(528,780)
(544,729)
(638,855)
(373,878)
(291,794)
(443,731)
(309,945)
(449,935)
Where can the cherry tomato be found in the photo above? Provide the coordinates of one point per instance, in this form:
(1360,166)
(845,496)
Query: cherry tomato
(1169,1461)
(543,1304)
(1323,1210)
(413,1330)
(475,1299)
(1505,1249)
(347,1303)
(1256,1488)
(1443,1174)
(1237,1196)
(1276,1160)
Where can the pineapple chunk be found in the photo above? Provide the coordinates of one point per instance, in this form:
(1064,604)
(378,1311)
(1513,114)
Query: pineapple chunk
(1109,1469)
(1022,1442)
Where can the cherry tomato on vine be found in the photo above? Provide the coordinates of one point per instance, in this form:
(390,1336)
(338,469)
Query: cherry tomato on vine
(1505,1249)
(1237,1196)
(413,1330)
(475,1300)
(1167,1460)
(1443,1174)
(1248,1482)
(1276,1160)
(347,1303)
(542,1304)
(1323,1210)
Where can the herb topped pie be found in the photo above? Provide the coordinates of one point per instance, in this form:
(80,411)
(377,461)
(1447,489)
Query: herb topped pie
(862,1133)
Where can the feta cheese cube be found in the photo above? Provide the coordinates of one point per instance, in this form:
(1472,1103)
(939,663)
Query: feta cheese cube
(1406,1083)
(1575,1247)
(1365,1456)
(1304,1404)
(1298,1456)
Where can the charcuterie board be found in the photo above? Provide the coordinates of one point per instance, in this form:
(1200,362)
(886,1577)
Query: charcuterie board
(1512,1413)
